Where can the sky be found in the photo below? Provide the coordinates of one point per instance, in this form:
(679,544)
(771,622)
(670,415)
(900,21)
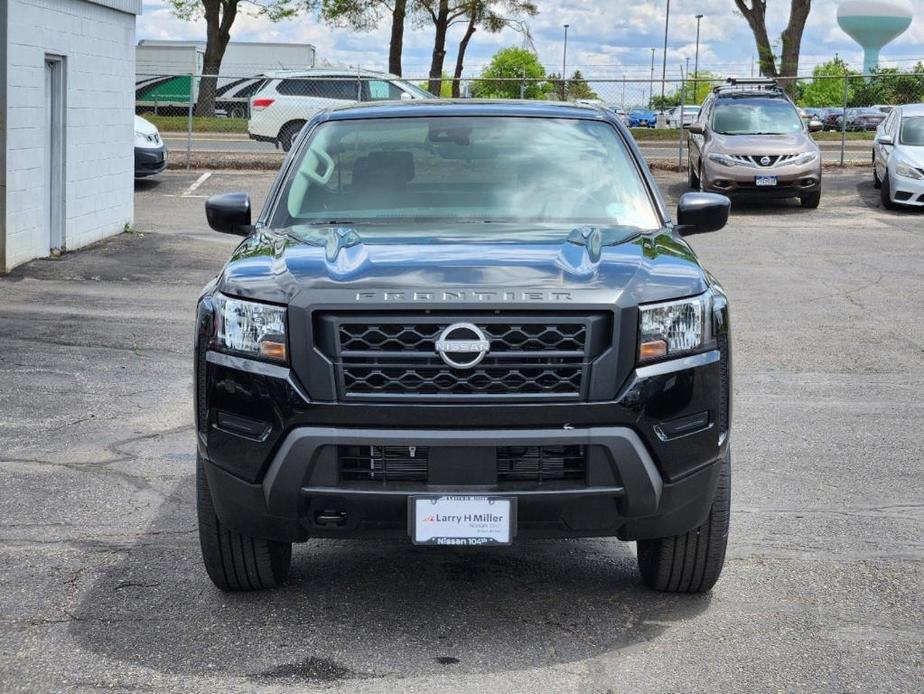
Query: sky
(606,38)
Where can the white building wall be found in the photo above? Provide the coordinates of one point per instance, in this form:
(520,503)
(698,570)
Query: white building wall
(97,43)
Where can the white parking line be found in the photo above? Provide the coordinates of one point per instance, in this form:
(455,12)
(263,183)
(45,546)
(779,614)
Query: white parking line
(195,184)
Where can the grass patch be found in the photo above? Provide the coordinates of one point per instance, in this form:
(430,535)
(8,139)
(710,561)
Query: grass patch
(201,124)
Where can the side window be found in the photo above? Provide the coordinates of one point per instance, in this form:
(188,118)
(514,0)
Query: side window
(343,89)
(893,127)
(249,90)
(381,90)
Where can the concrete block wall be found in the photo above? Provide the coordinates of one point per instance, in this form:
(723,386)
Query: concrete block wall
(97,43)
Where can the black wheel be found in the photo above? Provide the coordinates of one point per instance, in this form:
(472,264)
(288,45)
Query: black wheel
(885,193)
(288,134)
(699,178)
(877,184)
(692,562)
(234,561)
(692,178)
(238,111)
(810,201)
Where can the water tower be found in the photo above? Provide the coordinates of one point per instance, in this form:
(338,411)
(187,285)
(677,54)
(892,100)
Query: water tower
(872,24)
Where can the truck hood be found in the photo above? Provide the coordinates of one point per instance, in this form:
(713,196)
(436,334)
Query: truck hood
(275,267)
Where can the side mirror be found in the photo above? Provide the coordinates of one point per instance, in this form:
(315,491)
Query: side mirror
(815,125)
(885,140)
(406,97)
(698,213)
(696,128)
(229,213)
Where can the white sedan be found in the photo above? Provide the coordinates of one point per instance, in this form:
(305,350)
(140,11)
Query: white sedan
(898,157)
(674,117)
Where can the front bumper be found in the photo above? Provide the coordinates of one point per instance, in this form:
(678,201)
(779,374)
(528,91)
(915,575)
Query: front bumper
(150,160)
(272,456)
(792,181)
(906,191)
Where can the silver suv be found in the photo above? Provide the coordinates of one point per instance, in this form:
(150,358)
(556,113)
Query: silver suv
(749,138)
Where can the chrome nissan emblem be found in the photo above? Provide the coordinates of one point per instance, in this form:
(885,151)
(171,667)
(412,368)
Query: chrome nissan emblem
(765,160)
(462,345)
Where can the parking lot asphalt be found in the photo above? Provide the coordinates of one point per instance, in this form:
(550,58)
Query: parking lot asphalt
(102,584)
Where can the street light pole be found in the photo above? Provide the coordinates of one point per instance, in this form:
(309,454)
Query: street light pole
(564,66)
(699,18)
(667,19)
(651,80)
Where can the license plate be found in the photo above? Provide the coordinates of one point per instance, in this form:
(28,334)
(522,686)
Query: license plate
(461,520)
(766,180)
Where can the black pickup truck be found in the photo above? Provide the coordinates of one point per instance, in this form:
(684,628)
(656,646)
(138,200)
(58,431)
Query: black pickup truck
(464,323)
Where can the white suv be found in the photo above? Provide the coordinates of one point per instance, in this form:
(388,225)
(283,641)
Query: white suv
(289,98)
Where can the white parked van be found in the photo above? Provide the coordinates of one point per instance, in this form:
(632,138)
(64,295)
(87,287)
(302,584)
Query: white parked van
(289,98)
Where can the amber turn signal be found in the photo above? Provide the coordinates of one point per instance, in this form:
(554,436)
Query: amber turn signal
(652,350)
(273,350)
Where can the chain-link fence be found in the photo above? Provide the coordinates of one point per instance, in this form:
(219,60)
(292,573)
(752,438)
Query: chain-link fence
(255,117)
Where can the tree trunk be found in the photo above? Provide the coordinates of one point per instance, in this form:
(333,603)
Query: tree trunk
(439,48)
(792,37)
(219,16)
(396,45)
(756,17)
(460,58)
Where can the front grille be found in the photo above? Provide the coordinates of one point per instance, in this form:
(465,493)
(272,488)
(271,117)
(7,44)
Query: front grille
(411,463)
(540,463)
(529,357)
(758,159)
(383,463)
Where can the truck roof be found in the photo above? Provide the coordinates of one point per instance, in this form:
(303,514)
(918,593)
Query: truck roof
(467,107)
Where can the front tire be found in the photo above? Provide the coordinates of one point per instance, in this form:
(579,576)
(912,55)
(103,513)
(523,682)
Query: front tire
(885,193)
(692,177)
(810,201)
(233,561)
(691,562)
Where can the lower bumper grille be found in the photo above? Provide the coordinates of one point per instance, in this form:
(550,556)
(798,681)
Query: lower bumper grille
(412,464)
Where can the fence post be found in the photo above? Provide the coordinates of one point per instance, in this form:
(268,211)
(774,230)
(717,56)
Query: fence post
(683,98)
(523,84)
(189,120)
(844,118)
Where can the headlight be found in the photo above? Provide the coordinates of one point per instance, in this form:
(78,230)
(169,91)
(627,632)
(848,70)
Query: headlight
(805,158)
(670,328)
(250,329)
(725,161)
(907,171)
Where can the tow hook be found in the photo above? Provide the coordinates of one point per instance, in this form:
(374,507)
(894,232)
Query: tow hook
(330,517)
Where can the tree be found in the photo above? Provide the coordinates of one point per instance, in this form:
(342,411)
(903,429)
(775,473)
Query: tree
(445,86)
(511,73)
(698,86)
(827,85)
(365,15)
(219,18)
(791,38)
(578,88)
(485,13)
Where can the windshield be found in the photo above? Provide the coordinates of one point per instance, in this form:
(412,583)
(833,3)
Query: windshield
(482,169)
(755,117)
(913,131)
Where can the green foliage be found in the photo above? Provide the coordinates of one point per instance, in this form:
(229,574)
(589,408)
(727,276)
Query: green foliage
(190,10)
(512,64)
(445,86)
(659,103)
(699,86)
(827,85)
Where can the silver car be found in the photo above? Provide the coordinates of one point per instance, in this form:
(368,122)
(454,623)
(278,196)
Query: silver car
(898,157)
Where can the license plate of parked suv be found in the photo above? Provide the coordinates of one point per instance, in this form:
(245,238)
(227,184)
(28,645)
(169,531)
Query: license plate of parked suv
(461,520)
(766,180)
